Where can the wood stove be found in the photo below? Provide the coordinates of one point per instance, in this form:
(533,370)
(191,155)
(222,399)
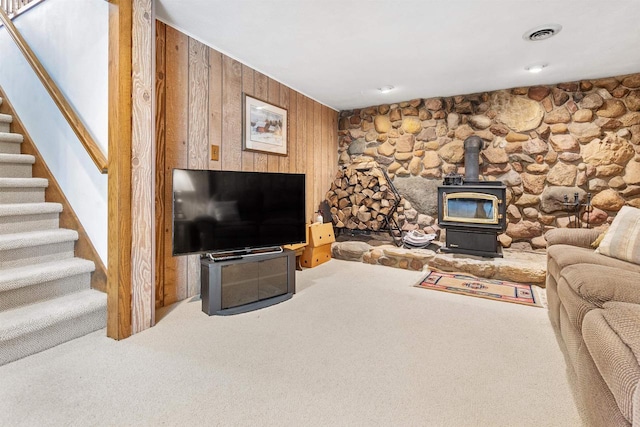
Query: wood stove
(473,215)
(473,212)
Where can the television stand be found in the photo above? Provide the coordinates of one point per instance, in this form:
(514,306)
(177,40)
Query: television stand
(248,282)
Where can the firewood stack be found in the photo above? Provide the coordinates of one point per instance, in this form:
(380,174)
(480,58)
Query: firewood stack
(360,198)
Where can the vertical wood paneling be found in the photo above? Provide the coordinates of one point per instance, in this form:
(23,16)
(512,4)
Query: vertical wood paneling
(231,114)
(293,131)
(198,88)
(262,92)
(215,104)
(177,79)
(333,129)
(274,98)
(324,154)
(310,169)
(301,151)
(142,170)
(247,87)
(317,154)
(160,161)
(200,110)
(283,161)
(198,142)
(327,168)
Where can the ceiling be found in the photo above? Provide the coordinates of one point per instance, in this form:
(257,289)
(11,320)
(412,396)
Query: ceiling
(339,52)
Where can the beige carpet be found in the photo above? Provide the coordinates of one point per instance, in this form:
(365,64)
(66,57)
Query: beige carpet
(358,345)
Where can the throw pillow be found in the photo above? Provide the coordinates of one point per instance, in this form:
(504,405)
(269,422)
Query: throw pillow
(622,240)
(597,242)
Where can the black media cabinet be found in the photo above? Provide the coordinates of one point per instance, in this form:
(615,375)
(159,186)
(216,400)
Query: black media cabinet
(248,283)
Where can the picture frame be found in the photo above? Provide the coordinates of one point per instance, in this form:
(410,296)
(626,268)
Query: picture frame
(265,127)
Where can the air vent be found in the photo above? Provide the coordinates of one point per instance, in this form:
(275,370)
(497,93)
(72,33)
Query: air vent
(542,32)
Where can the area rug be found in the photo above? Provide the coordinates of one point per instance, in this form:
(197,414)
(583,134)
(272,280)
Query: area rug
(499,290)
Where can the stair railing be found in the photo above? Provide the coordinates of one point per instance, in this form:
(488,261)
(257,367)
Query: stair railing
(16,7)
(69,113)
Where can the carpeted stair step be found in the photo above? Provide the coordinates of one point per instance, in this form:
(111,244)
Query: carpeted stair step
(21,217)
(16,165)
(22,190)
(37,327)
(34,247)
(5,122)
(34,283)
(10,142)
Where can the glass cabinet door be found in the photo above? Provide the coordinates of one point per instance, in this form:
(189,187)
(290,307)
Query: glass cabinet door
(273,277)
(240,283)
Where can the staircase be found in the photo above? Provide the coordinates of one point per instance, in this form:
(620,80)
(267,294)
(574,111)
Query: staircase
(45,293)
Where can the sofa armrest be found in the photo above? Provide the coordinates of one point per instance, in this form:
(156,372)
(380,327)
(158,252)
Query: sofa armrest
(582,237)
(599,284)
(624,318)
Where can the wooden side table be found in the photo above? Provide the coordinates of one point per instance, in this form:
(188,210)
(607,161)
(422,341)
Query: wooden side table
(298,248)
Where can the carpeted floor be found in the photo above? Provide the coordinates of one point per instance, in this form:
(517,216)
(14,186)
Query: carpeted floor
(357,345)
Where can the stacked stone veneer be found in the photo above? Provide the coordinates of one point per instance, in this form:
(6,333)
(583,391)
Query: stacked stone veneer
(543,142)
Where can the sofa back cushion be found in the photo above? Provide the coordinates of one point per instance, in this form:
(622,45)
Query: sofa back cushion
(622,240)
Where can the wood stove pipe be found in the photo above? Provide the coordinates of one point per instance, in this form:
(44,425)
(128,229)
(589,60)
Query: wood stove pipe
(472,147)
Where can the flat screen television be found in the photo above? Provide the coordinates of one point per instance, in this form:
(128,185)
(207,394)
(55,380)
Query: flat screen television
(225,211)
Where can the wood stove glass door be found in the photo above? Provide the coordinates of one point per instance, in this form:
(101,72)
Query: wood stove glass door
(466,207)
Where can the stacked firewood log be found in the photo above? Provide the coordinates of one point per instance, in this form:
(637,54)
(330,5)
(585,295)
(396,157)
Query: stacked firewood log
(360,198)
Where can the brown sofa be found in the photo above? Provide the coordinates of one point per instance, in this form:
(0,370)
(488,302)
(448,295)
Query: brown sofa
(594,306)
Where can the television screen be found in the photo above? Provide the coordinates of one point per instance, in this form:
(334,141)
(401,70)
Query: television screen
(218,211)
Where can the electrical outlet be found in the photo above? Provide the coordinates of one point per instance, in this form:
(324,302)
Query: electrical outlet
(215,152)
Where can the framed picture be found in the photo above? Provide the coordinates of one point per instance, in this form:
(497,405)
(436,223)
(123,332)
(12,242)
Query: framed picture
(265,127)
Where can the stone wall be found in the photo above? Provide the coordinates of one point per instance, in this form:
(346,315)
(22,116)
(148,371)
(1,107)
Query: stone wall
(543,142)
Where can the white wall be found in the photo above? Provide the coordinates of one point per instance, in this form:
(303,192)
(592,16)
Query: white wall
(70,37)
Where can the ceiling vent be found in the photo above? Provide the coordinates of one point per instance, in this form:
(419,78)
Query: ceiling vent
(542,32)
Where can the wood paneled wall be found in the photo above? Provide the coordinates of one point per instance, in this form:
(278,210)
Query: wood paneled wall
(142,162)
(199,103)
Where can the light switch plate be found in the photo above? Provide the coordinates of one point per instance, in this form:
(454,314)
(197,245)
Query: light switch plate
(215,152)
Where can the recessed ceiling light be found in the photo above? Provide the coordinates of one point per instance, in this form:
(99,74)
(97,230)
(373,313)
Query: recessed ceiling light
(386,89)
(542,32)
(535,68)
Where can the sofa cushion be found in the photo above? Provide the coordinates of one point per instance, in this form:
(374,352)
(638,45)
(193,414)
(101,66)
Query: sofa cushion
(565,255)
(622,239)
(612,336)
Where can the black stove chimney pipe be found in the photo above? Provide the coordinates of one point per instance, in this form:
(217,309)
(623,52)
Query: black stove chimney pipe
(472,147)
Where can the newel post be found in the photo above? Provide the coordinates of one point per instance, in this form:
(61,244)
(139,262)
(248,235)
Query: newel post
(119,187)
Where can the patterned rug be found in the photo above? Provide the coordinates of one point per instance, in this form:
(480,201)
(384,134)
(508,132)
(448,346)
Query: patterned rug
(462,283)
